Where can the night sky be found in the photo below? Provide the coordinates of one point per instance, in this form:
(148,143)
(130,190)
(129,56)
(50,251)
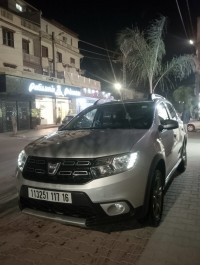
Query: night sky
(99,22)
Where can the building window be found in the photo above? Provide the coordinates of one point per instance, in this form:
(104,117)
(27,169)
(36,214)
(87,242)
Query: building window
(8,37)
(25,46)
(72,61)
(59,57)
(64,39)
(44,51)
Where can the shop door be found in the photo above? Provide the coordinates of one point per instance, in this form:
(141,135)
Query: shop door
(10,109)
(23,115)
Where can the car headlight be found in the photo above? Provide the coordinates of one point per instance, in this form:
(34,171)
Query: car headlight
(22,160)
(108,166)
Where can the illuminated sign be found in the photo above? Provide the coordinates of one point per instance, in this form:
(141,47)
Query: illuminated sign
(95,93)
(56,90)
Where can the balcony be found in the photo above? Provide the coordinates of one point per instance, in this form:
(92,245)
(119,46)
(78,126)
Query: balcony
(31,59)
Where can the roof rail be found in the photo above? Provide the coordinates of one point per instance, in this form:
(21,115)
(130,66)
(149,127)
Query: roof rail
(155,96)
(102,101)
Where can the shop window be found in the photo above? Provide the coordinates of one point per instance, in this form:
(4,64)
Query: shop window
(44,51)
(59,57)
(72,61)
(25,46)
(8,37)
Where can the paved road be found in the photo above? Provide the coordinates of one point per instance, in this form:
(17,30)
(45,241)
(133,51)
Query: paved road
(28,240)
(10,146)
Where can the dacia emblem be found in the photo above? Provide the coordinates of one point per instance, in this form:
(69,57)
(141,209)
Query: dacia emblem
(53,168)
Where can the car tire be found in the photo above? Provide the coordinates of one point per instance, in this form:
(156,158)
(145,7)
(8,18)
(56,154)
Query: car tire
(183,164)
(156,199)
(190,128)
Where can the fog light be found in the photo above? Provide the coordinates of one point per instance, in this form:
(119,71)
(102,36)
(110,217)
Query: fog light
(115,208)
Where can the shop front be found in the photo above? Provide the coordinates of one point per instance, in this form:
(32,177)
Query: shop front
(33,102)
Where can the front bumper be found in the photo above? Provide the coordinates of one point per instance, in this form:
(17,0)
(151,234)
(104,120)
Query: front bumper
(96,202)
(82,212)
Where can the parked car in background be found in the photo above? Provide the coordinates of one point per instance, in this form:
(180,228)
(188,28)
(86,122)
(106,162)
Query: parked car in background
(66,120)
(111,162)
(193,125)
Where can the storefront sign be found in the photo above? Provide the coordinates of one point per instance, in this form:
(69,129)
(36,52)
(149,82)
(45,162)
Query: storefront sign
(56,90)
(87,92)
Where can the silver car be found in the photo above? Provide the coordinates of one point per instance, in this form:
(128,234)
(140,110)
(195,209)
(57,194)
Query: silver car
(111,162)
(193,125)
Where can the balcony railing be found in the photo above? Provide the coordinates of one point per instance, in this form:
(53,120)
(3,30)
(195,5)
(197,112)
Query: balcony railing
(29,58)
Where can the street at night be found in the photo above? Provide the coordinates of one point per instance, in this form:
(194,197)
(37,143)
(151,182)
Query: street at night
(31,240)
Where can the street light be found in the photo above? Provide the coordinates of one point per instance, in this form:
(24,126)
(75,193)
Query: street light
(117,86)
(191,42)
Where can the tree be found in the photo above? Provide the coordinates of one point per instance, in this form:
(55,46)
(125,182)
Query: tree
(145,51)
(184,95)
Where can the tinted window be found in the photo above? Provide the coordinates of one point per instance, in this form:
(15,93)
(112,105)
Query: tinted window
(172,111)
(162,112)
(116,116)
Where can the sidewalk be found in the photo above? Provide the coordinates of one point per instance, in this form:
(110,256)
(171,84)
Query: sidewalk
(31,134)
(177,240)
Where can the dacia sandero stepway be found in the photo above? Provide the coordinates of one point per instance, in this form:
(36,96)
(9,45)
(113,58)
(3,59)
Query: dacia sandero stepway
(111,162)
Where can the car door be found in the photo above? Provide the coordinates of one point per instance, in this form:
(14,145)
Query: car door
(178,134)
(166,137)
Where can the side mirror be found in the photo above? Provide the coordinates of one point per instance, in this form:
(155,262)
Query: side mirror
(168,125)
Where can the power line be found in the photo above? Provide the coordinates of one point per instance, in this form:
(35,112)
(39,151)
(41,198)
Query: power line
(190,18)
(95,58)
(98,47)
(181,18)
(94,52)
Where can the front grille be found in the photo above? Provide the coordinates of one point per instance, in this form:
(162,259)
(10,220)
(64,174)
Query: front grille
(58,171)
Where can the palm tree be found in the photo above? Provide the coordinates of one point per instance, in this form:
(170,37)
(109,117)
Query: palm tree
(145,51)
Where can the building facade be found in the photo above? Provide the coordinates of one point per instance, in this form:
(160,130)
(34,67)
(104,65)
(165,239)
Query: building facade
(40,76)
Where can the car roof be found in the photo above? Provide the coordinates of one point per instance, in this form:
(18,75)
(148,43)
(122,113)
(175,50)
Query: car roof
(149,98)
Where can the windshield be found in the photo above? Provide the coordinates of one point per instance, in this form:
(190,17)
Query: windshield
(114,116)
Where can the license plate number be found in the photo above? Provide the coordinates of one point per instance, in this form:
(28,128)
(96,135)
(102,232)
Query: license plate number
(50,195)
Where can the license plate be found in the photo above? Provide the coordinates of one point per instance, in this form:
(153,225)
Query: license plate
(50,195)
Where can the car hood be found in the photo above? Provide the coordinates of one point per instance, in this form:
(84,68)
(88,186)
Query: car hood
(85,143)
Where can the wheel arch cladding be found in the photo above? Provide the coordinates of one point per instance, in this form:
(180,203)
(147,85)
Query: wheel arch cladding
(157,163)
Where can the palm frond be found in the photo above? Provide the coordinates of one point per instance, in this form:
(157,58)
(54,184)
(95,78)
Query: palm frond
(143,52)
(155,41)
(178,68)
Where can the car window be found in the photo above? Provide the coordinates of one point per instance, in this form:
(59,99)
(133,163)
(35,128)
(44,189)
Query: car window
(84,121)
(172,111)
(162,112)
(116,116)
(67,118)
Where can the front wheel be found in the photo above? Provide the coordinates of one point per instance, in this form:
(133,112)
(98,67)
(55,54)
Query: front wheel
(156,199)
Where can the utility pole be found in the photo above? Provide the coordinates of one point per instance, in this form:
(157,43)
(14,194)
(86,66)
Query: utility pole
(53,52)
(125,49)
(124,71)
